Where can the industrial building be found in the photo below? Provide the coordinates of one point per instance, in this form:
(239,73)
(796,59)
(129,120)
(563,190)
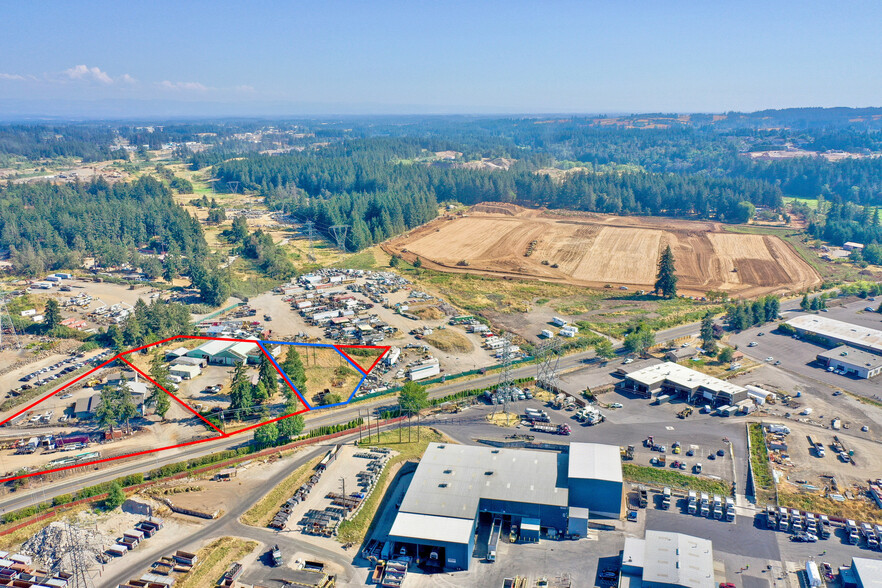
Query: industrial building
(667,560)
(863,573)
(183,371)
(456,488)
(838,332)
(673,379)
(855,362)
(231,352)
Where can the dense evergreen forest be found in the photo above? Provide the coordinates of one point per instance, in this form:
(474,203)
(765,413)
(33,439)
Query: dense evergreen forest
(381,176)
(46,226)
(89,142)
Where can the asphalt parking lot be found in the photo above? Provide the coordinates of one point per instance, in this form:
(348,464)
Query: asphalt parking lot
(798,356)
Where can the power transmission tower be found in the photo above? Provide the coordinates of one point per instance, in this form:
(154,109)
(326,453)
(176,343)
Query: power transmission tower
(233,186)
(79,568)
(505,385)
(548,355)
(15,339)
(309,225)
(339,232)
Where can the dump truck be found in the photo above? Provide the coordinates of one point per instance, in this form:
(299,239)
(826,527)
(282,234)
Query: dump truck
(692,504)
(824,527)
(666,498)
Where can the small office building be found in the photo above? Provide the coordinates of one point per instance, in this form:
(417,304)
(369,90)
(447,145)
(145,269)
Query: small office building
(675,380)
(855,362)
(667,560)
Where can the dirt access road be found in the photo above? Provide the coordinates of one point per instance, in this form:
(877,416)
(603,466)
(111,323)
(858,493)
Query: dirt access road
(595,250)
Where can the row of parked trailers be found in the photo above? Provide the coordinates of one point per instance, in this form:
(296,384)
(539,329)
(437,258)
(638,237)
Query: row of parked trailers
(132,538)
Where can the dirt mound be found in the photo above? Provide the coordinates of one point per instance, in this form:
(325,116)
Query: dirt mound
(52,545)
(506,240)
(448,340)
(497,208)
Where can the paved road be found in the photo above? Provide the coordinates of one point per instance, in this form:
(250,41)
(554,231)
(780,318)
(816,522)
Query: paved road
(228,525)
(342,414)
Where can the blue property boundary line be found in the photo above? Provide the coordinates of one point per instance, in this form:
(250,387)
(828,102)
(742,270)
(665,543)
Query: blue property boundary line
(288,380)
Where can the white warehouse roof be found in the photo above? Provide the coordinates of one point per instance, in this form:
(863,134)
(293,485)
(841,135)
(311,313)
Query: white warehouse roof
(672,559)
(840,331)
(595,461)
(682,376)
(432,528)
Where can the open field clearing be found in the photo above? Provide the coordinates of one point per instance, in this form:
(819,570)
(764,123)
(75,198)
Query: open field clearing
(596,250)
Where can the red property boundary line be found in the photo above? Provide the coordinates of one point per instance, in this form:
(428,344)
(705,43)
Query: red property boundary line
(221,434)
(221,464)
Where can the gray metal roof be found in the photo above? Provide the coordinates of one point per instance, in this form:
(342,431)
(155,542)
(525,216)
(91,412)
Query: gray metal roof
(594,461)
(854,357)
(869,571)
(679,560)
(431,528)
(840,331)
(452,479)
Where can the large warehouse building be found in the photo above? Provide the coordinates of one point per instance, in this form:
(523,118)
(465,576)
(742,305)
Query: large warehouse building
(838,332)
(456,487)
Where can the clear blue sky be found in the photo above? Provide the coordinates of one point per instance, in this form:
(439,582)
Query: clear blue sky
(444,56)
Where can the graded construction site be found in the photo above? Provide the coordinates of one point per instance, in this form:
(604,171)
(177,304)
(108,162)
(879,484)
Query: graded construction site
(599,250)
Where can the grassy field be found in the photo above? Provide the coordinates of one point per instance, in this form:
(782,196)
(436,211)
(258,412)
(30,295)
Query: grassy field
(263,511)
(356,529)
(810,202)
(214,559)
(662,477)
(759,461)
(860,510)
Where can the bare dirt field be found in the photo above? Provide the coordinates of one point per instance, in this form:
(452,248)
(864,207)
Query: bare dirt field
(596,250)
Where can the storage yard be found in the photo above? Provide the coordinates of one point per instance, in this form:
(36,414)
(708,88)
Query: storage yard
(595,250)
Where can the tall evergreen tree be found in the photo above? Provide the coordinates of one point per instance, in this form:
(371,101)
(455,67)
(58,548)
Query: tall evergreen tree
(52,314)
(708,342)
(158,397)
(268,376)
(666,279)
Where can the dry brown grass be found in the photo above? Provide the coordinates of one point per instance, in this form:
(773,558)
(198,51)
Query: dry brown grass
(449,340)
(214,559)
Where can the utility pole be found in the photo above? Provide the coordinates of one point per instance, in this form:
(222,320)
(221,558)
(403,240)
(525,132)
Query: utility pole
(339,232)
(309,225)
